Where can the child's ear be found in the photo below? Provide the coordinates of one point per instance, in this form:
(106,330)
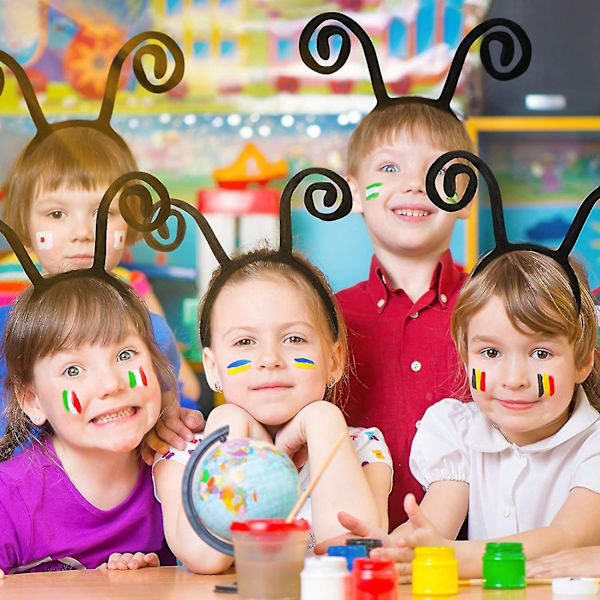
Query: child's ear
(336,368)
(582,372)
(29,403)
(357,204)
(210,367)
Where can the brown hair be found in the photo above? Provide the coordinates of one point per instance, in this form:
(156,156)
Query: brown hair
(537,295)
(78,157)
(73,311)
(260,267)
(381,126)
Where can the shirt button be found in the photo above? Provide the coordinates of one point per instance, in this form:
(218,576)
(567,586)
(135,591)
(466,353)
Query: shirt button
(418,423)
(380,302)
(443,298)
(415,365)
(414,315)
(507,512)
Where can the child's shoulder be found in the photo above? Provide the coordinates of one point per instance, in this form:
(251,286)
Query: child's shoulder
(24,469)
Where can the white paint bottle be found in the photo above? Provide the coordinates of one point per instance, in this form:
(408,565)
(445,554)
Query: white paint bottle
(324,578)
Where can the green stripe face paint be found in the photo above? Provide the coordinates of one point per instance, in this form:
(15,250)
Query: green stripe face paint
(373,190)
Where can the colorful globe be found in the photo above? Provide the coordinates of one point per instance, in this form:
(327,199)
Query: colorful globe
(242,479)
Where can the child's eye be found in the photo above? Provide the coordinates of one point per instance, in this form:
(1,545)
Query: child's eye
(294,339)
(244,342)
(124,355)
(72,371)
(389,168)
(490,353)
(56,214)
(541,354)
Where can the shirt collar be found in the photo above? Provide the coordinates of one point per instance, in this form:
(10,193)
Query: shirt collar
(484,437)
(446,277)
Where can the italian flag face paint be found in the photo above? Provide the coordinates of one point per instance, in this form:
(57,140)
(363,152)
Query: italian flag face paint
(71,402)
(137,378)
(43,240)
(478,380)
(545,385)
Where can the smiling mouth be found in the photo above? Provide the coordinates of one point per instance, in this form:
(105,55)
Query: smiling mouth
(409,212)
(271,387)
(115,416)
(516,405)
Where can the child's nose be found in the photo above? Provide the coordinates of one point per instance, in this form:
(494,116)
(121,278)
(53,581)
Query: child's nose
(270,357)
(414,181)
(516,373)
(110,380)
(84,229)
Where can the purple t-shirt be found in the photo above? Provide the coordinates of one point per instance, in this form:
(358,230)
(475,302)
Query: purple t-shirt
(47,525)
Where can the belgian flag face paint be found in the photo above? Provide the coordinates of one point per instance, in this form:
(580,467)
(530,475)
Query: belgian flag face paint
(545,385)
(478,380)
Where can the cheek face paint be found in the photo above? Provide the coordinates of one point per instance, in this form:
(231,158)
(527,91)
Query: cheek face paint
(545,385)
(304,363)
(137,378)
(71,402)
(43,240)
(478,380)
(238,366)
(119,240)
(373,190)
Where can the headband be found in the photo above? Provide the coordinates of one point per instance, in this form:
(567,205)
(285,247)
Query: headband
(507,55)
(502,245)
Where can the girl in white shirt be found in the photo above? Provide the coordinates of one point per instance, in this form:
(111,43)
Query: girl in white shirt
(522,460)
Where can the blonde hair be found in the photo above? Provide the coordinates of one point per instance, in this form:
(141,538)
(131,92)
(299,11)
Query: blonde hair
(72,312)
(537,295)
(259,268)
(382,126)
(76,157)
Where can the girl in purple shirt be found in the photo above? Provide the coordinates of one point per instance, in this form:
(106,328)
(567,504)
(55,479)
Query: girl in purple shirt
(87,382)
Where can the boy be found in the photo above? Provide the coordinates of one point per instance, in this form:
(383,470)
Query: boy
(398,320)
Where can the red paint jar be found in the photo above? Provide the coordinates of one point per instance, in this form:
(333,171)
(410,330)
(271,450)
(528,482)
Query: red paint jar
(374,579)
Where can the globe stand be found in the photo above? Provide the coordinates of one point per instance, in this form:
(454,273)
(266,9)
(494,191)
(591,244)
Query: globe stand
(220,435)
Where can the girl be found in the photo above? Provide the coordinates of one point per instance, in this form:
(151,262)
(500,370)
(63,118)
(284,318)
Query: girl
(268,318)
(524,458)
(86,382)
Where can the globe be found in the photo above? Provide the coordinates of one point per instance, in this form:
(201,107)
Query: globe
(237,480)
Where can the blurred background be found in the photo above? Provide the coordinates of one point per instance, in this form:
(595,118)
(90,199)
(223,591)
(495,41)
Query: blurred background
(249,114)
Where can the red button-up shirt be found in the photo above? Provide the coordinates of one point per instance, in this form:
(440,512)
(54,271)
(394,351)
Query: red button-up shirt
(402,360)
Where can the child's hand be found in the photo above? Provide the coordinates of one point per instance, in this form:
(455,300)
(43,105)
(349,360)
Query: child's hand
(356,528)
(175,428)
(577,562)
(129,561)
(1,573)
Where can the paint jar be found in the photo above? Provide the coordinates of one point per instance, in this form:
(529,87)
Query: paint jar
(434,571)
(324,578)
(350,553)
(504,565)
(269,555)
(373,579)
(368,543)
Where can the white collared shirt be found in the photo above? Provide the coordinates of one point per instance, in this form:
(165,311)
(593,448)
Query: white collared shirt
(511,488)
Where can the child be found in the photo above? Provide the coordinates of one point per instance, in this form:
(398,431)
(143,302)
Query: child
(398,319)
(524,458)
(87,381)
(54,187)
(272,311)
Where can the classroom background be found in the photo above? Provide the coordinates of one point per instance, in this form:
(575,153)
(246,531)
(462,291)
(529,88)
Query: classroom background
(249,114)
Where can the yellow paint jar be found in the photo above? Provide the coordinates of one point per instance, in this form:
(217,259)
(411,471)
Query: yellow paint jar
(434,571)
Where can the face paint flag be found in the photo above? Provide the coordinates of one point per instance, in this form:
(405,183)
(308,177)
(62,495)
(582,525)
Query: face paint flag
(238,366)
(373,191)
(119,240)
(545,384)
(478,380)
(71,402)
(137,378)
(304,363)
(43,240)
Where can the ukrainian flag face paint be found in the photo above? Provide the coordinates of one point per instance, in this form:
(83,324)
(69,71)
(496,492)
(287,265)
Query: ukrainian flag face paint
(545,385)
(239,366)
(478,380)
(304,363)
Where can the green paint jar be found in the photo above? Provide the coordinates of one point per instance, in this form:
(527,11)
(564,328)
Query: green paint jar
(504,565)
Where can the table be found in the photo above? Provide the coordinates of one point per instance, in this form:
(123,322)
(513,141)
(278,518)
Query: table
(177,583)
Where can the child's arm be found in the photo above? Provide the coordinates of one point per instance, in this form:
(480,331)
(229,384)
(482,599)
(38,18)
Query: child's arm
(130,562)
(379,478)
(343,486)
(577,562)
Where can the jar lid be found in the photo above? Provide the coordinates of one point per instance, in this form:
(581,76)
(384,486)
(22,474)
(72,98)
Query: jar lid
(269,525)
(435,552)
(504,547)
(574,585)
(325,565)
(373,564)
